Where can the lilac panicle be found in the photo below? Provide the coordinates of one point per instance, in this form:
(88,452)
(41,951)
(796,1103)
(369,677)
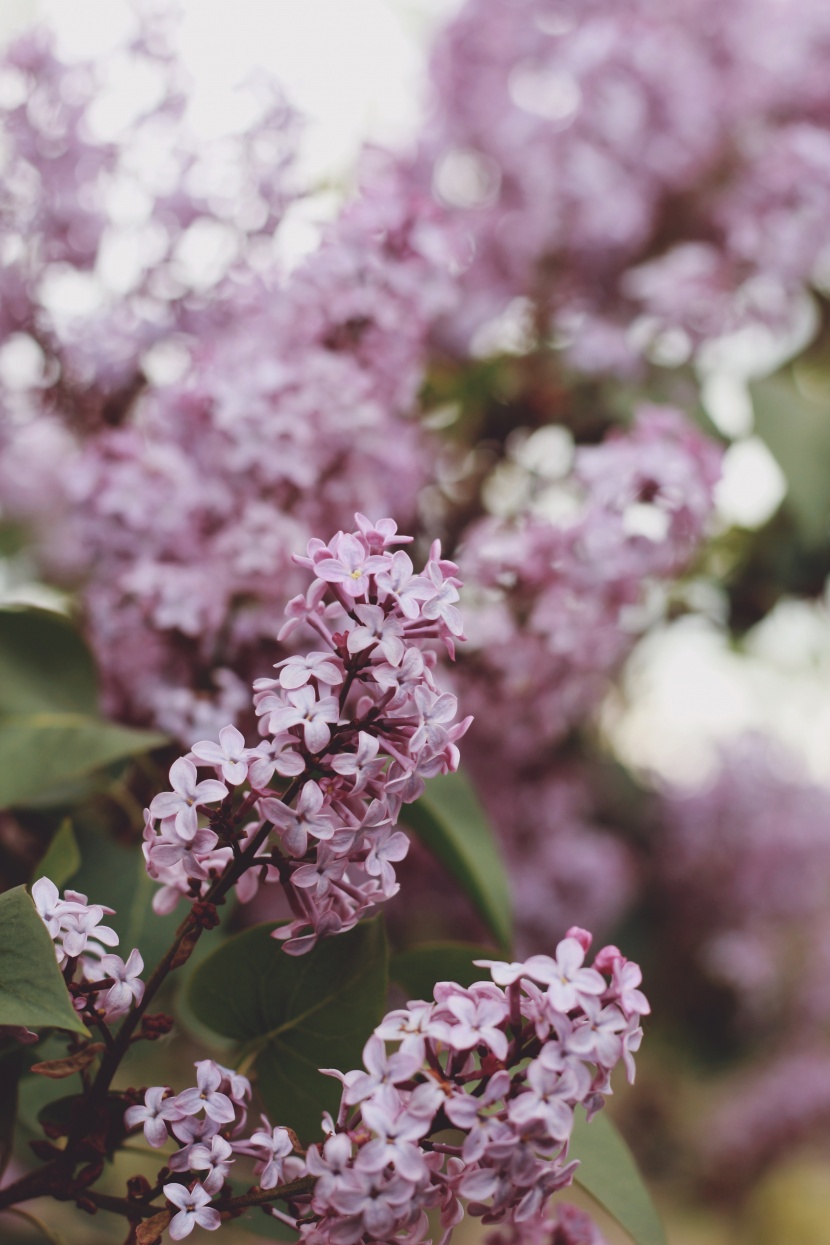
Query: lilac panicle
(505,1062)
(349,734)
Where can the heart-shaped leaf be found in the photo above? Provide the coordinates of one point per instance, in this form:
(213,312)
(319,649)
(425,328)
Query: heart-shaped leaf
(417,969)
(293,1016)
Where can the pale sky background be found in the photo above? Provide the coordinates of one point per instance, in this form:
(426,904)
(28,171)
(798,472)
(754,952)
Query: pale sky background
(356,69)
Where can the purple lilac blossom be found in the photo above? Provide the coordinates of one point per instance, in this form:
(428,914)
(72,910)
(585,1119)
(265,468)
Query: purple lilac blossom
(507,1066)
(174,504)
(631,167)
(103,985)
(347,748)
(552,608)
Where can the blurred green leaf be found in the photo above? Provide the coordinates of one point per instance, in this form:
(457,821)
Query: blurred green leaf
(41,750)
(63,858)
(12,1059)
(607,1172)
(32,990)
(114,873)
(51,737)
(450,821)
(797,431)
(417,969)
(44,665)
(294,1015)
(46,1231)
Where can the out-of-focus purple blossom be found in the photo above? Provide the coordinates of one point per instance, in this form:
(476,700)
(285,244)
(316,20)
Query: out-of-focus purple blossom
(630,168)
(175,503)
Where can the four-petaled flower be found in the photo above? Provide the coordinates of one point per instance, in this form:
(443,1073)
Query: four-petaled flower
(194,1210)
(186,797)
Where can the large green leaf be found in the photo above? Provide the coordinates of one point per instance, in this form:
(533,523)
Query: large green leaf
(450,821)
(63,858)
(39,751)
(293,1016)
(44,665)
(607,1172)
(417,969)
(32,990)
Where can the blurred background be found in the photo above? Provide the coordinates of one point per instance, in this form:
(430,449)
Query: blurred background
(550,282)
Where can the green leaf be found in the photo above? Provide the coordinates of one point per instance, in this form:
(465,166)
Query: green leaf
(63,858)
(44,665)
(417,969)
(11,1067)
(607,1172)
(294,1015)
(115,874)
(43,750)
(450,821)
(32,990)
(797,431)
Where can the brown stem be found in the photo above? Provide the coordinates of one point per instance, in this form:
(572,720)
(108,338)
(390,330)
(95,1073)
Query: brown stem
(55,1177)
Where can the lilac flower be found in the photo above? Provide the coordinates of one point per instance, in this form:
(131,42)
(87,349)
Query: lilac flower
(194,1210)
(230,754)
(277,1146)
(379,629)
(206,1095)
(382,1072)
(186,797)
(567,981)
(479,1023)
(387,846)
(215,1159)
(304,709)
(128,987)
(295,671)
(310,817)
(363,765)
(158,1109)
(349,566)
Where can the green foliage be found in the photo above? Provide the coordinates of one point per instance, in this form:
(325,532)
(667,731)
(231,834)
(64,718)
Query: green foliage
(292,1016)
(32,990)
(417,969)
(44,665)
(63,858)
(450,821)
(607,1172)
(50,733)
(42,751)
(114,873)
(11,1067)
(797,431)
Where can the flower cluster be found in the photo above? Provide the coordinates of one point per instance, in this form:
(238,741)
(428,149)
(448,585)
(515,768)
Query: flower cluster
(170,464)
(559,586)
(108,986)
(505,1062)
(632,167)
(568,1225)
(350,734)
